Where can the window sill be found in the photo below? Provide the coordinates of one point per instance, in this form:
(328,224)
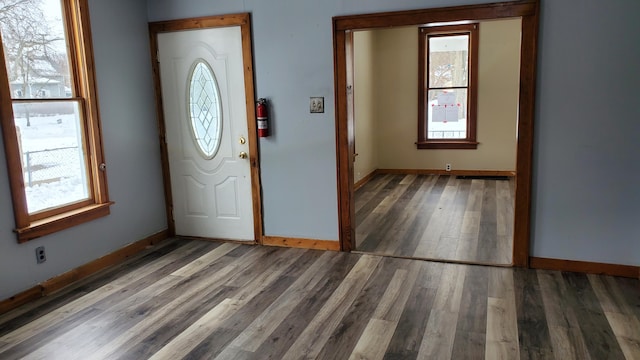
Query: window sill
(60,222)
(447,144)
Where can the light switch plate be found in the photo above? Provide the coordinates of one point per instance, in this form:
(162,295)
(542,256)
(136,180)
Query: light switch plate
(316,105)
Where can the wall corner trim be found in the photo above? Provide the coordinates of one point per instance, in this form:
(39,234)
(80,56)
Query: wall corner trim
(587,267)
(301,243)
(58,282)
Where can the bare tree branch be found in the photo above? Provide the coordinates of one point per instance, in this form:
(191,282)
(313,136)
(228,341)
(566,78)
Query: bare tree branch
(30,45)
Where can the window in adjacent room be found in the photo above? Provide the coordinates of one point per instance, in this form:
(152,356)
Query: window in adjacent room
(50,116)
(448,61)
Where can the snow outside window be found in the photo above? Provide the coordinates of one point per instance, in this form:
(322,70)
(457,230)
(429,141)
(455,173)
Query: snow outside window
(448,58)
(50,121)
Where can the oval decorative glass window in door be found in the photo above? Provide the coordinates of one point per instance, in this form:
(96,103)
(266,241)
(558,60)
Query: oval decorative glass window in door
(205,111)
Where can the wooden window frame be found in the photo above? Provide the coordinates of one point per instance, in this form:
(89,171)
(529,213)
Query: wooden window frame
(425,33)
(80,52)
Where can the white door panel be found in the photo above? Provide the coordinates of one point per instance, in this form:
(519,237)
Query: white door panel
(211,192)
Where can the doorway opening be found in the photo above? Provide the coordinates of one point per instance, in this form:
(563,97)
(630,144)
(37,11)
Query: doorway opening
(526,13)
(448,197)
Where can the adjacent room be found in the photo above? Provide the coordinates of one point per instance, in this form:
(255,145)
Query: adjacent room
(452,204)
(282,179)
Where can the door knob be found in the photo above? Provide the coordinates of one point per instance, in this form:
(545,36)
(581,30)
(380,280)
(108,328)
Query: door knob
(242,140)
(242,155)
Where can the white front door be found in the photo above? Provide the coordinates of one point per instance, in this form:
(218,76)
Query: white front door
(205,114)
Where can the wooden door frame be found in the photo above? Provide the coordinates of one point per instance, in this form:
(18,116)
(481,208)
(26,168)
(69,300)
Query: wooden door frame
(244,21)
(528,11)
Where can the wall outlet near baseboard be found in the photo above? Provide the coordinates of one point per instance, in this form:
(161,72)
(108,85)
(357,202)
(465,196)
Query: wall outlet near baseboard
(447,167)
(41,256)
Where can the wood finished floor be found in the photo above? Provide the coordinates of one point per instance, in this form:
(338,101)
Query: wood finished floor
(436,217)
(205,300)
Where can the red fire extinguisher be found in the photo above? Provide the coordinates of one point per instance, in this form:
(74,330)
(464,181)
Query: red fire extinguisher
(261,114)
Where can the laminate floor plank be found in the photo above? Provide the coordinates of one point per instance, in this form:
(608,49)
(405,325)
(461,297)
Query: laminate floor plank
(624,318)
(190,299)
(205,260)
(439,336)
(198,331)
(384,215)
(504,208)
(533,332)
(381,192)
(487,251)
(206,289)
(399,228)
(40,339)
(407,245)
(368,190)
(104,294)
(502,327)
(159,332)
(428,245)
(253,279)
(94,331)
(311,340)
(459,206)
(44,305)
(232,353)
(147,315)
(390,209)
(269,283)
(626,289)
(394,299)
(450,237)
(407,338)
(346,334)
(625,325)
(469,342)
(437,217)
(596,330)
(374,340)
(263,325)
(301,315)
(563,324)
(231,327)
(154,283)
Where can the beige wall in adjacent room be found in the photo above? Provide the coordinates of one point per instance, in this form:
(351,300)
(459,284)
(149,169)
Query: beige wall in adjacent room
(395,108)
(364,96)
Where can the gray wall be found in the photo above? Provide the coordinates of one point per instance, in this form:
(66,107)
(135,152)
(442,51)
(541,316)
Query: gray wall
(125,89)
(585,201)
(586,169)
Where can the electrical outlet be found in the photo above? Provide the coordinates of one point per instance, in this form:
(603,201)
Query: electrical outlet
(40,255)
(316,105)
(447,167)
